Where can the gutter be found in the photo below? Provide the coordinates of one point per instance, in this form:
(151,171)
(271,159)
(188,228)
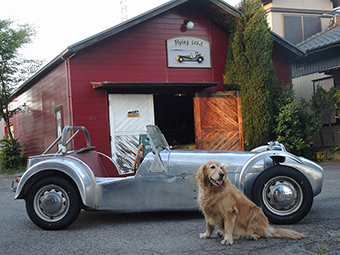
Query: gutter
(294,10)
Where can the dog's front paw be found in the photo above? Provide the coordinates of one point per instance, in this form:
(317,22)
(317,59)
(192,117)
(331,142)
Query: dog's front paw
(227,241)
(204,235)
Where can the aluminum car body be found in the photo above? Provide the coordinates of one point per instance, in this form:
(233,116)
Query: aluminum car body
(165,180)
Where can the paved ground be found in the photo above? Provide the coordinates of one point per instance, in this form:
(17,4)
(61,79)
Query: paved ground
(164,233)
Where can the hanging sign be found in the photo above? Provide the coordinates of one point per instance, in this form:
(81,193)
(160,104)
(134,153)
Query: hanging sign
(188,52)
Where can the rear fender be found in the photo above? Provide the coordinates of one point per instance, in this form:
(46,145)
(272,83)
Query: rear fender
(262,155)
(77,171)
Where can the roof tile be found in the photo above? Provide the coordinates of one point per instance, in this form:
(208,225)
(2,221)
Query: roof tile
(322,39)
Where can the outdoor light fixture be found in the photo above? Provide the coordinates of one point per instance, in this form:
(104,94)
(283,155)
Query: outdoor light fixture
(188,23)
(180,95)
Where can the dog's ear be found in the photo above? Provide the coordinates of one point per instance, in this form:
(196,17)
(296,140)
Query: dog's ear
(200,173)
(224,169)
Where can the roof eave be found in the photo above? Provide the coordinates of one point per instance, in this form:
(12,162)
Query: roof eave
(226,7)
(141,18)
(298,52)
(36,76)
(154,87)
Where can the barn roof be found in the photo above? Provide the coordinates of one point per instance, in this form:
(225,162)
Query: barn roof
(209,6)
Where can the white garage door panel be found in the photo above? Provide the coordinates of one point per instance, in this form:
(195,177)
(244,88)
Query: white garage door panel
(129,114)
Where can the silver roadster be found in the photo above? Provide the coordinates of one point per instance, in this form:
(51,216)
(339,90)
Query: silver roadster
(57,186)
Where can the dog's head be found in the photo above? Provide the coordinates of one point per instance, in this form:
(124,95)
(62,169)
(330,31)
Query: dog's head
(212,174)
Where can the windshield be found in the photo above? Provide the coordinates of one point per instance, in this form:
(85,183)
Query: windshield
(157,139)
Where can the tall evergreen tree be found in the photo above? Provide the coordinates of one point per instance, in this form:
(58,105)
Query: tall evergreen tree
(250,66)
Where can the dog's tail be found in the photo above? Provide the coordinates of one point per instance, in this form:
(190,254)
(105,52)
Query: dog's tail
(286,234)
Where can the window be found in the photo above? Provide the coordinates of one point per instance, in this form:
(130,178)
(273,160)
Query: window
(325,83)
(299,28)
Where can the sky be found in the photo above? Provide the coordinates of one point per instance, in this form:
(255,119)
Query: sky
(61,23)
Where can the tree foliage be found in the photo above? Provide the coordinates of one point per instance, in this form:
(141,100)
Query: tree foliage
(324,104)
(269,110)
(249,65)
(13,69)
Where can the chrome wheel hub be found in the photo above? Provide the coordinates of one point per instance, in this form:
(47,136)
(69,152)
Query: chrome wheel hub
(51,203)
(282,195)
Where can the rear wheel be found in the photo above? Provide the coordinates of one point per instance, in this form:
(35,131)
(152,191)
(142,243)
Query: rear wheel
(53,203)
(284,194)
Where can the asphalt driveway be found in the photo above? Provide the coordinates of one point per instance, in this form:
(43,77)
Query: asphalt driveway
(164,233)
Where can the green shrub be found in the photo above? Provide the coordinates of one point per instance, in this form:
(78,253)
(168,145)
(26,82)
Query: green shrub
(11,158)
(323,103)
(294,124)
(335,150)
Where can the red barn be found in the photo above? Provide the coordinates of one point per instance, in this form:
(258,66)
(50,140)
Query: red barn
(151,69)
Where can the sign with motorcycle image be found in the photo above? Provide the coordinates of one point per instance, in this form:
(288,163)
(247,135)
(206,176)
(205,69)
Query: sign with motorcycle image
(188,52)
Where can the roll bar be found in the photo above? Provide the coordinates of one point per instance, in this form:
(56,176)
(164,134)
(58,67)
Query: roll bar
(63,137)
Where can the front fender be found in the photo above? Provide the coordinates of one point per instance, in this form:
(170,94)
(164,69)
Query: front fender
(264,154)
(75,169)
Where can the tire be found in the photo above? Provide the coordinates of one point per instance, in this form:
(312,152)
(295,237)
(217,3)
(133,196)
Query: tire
(53,203)
(281,208)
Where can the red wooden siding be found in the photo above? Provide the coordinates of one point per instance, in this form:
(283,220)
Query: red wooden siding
(35,127)
(282,68)
(138,55)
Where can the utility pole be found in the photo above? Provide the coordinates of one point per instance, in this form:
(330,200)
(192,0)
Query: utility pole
(123,6)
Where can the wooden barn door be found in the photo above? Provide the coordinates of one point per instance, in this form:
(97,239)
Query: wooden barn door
(218,121)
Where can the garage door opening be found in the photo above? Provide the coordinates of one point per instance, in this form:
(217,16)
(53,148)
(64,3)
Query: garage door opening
(174,114)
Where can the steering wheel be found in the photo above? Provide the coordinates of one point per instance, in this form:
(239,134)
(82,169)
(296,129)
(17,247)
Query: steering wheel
(137,154)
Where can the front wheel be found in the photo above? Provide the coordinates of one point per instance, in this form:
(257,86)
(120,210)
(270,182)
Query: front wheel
(284,194)
(53,203)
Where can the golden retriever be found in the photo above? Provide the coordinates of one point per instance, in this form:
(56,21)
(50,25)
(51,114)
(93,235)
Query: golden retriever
(226,208)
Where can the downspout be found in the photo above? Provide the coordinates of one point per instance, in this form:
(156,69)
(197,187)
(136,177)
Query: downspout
(69,91)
